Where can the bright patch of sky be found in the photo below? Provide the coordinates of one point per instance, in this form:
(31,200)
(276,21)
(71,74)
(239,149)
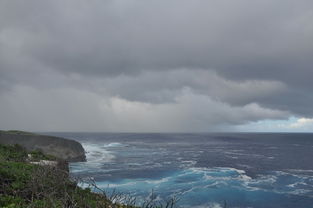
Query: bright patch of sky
(293,124)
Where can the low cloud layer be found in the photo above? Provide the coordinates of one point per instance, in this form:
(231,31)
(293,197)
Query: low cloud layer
(131,65)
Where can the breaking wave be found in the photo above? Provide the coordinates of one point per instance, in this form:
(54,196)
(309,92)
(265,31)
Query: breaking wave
(202,176)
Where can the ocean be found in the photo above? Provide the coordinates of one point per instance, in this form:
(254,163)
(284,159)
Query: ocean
(255,170)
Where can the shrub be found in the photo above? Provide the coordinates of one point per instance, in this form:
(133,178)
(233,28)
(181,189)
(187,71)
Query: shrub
(7,201)
(39,155)
(12,153)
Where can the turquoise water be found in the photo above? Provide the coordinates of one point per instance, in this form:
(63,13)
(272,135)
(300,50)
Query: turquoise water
(203,170)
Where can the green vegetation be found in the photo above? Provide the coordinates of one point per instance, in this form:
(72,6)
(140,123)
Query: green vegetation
(27,185)
(12,153)
(18,154)
(37,155)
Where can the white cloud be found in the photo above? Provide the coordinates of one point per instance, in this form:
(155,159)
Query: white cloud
(292,124)
(302,123)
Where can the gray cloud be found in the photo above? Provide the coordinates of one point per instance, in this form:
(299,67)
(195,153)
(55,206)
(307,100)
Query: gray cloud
(243,39)
(160,86)
(69,109)
(240,61)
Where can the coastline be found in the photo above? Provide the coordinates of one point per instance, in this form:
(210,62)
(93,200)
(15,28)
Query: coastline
(66,149)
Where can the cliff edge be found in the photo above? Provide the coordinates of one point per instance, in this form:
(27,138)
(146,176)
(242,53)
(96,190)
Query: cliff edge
(66,149)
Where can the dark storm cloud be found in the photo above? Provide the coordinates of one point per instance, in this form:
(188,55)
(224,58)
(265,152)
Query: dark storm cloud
(239,53)
(242,39)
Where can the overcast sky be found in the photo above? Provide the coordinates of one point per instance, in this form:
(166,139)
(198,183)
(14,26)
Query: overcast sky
(156,66)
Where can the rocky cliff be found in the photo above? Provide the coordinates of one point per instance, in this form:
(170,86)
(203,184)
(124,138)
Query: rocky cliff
(62,148)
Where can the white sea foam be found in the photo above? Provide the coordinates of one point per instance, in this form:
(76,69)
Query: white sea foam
(112,185)
(97,154)
(163,180)
(302,176)
(262,182)
(300,191)
(210,205)
(265,179)
(188,163)
(232,174)
(113,144)
(215,205)
(293,185)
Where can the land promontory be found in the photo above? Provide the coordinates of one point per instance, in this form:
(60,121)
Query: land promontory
(66,149)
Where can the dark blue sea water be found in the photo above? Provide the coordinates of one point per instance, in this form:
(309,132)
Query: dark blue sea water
(203,170)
